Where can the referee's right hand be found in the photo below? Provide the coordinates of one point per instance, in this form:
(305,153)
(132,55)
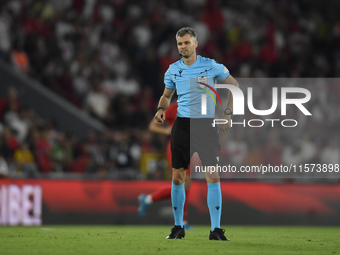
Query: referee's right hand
(160,116)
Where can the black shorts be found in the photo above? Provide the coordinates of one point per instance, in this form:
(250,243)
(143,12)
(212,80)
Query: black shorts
(194,135)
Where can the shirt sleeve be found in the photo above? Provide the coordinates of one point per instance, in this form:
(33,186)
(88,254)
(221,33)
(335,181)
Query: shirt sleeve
(220,71)
(168,81)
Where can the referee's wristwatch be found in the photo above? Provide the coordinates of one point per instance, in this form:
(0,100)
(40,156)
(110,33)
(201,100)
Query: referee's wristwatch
(159,109)
(228,111)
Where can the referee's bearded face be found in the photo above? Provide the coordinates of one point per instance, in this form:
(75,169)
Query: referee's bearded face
(186,45)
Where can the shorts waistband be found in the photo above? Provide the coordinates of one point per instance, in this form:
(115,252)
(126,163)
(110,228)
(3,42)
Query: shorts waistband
(195,120)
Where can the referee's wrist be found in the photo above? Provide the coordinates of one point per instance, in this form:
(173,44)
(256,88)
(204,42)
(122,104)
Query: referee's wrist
(159,109)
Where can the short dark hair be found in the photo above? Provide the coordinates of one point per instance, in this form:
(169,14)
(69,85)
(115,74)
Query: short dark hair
(186,30)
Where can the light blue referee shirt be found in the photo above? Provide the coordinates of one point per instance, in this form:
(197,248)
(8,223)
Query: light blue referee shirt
(186,80)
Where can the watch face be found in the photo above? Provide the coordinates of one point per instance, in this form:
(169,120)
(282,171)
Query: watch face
(227,111)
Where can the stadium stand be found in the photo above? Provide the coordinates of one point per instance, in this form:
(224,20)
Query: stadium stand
(108,58)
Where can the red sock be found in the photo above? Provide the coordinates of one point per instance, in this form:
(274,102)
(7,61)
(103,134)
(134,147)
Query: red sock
(186,205)
(161,194)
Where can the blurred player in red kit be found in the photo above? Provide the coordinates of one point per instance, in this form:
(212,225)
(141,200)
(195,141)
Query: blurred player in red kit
(165,192)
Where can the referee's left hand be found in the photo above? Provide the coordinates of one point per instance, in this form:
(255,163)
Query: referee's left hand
(225,127)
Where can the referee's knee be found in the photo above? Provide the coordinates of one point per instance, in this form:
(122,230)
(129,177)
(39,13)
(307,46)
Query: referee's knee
(212,180)
(178,176)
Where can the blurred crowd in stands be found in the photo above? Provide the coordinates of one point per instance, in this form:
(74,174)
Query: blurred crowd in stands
(108,57)
(33,147)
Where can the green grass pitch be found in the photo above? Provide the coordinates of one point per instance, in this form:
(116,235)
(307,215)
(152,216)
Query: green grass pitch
(151,240)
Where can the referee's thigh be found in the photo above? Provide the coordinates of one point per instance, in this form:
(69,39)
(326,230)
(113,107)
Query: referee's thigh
(180,144)
(205,141)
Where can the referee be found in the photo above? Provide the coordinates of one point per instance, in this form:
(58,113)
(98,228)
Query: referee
(188,76)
